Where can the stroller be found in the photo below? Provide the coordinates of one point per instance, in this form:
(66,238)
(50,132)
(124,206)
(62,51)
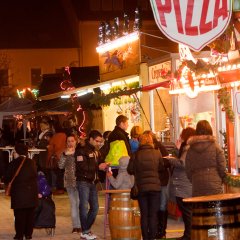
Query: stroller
(45,212)
(45,215)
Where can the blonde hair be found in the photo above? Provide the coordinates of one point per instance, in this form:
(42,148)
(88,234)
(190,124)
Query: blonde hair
(146,139)
(135,132)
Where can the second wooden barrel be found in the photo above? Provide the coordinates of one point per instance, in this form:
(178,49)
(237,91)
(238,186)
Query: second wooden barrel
(216,217)
(124,217)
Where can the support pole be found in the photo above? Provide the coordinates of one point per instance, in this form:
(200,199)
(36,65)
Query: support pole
(231,147)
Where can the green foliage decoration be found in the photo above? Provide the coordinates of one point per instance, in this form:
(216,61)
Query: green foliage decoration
(225,99)
(115,93)
(232,180)
(225,147)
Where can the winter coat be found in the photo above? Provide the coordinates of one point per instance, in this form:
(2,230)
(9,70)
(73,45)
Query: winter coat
(146,165)
(134,144)
(120,134)
(43,186)
(67,162)
(42,144)
(205,165)
(87,159)
(123,179)
(164,176)
(24,192)
(181,183)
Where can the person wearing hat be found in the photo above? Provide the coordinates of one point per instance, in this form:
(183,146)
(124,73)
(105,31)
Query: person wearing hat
(24,191)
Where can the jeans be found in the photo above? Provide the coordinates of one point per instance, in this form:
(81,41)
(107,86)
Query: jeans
(87,196)
(74,204)
(149,207)
(186,210)
(164,195)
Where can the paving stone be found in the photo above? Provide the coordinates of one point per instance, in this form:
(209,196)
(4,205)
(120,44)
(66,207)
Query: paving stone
(63,221)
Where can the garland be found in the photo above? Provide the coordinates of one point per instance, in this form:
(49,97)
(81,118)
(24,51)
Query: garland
(115,93)
(232,180)
(225,99)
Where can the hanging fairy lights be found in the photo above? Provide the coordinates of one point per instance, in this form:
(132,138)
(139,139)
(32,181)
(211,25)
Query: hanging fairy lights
(23,93)
(109,36)
(66,85)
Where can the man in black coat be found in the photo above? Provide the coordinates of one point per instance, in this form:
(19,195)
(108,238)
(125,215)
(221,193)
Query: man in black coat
(119,132)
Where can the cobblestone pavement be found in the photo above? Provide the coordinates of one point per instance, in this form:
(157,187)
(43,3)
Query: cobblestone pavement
(63,221)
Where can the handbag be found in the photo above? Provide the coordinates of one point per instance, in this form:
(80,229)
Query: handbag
(9,186)
(134,190)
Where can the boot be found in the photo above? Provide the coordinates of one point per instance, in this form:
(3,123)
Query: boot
(162,224)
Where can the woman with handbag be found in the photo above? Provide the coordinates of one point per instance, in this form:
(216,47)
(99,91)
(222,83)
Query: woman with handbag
(146,165)
(24,191)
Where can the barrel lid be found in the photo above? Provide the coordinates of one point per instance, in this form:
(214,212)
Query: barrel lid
(217,197)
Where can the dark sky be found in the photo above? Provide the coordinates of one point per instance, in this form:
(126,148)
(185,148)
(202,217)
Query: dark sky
(45,23)
(35,23)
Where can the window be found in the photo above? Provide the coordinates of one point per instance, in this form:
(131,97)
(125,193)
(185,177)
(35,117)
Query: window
(4,77)
(36,76)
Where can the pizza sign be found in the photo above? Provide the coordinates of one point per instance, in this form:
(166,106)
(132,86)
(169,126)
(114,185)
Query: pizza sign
(194,23)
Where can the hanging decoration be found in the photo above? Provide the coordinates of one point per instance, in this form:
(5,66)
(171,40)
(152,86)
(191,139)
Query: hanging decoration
(222,44)
(105,99)
(225,99)
(101,33)
(77,110)
(137,21)
(125,24)
(31,94)
(115,28)
(108,32)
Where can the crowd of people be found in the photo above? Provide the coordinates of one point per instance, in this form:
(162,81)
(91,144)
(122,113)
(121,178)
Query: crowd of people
(77,165)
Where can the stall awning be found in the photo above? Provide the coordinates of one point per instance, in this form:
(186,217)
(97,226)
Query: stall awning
(79,89)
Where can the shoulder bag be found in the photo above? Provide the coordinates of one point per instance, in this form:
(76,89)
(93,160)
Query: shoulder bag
(9,186)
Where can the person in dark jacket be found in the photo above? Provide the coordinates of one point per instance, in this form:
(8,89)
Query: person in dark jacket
(43,141)
(164,194)
(205,162)
(146,165)
(24,192)
(119,133)
(87,165)
(182,185)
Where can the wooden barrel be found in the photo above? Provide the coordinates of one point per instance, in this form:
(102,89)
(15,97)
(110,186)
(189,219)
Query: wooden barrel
(124,217)
(215,217)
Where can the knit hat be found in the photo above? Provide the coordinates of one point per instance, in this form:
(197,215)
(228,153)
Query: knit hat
(21,149)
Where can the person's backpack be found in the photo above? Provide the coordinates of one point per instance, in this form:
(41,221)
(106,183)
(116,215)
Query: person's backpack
(117,150)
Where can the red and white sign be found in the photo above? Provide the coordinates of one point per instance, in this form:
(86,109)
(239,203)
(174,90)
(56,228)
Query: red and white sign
(194,23)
